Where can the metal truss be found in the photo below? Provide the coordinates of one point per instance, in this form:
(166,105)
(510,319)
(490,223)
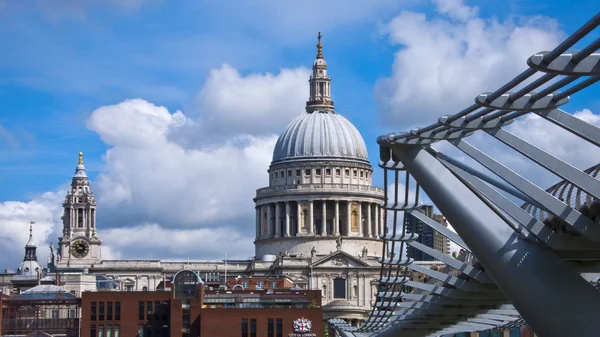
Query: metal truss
(525,247)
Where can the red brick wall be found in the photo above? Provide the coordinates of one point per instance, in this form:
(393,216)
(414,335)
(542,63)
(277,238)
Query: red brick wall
(129,322)
(227,322)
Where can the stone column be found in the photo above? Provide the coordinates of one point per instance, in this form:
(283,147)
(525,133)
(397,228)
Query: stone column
(257,222)
(348,217)
(382,224)
(336,219)
(360,221)
(369,219)
(277,220)
(376,227)
(287,219)
(298,218)
(263,224)
(324,219)
(311,217)
(269,221)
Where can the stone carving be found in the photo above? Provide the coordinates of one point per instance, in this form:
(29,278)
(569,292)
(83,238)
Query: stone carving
(338,242)
(340,261)
(365,251)
(313,252)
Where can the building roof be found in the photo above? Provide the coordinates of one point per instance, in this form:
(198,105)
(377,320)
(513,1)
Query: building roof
(320,134)
(45,292)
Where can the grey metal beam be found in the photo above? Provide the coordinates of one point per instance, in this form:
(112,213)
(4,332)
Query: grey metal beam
(577,220)
(579,127)
(440,228)
(453,280)
(553,164)
(526,273)
(477,274)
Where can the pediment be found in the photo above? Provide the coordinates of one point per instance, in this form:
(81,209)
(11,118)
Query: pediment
(339,259)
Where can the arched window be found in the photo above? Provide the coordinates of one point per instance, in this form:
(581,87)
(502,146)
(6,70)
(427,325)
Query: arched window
(339,288)
(185,284)
(144,288)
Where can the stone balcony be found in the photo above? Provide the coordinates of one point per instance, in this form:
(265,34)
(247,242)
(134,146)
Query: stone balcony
(365,190)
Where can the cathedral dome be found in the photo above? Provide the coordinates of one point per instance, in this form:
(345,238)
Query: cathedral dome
(320,134)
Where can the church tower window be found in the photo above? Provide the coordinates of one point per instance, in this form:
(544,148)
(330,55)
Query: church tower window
(80,218)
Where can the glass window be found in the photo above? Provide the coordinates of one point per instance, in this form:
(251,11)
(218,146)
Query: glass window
(157,308)
(327,172)
(101,311)
(244,327)
(117,312)
(260,284)
(141,327)
(271,327)
(355,173)
(93,312)
(245,284)
(339,288)
(338,172)
(148,310)
(307,172)
(108,330)
(347,172)
(101,331)
(278,328)
(289,173)
(275,175)
(297,173)
(253,327)
(318,172)
(273,284)
(186,284)
(92,330)
(141,311)
(165,311)
(282,174)
(362,174)
(117,329)
(109,313)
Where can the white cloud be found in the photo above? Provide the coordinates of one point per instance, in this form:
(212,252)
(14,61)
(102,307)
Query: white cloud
(232,104)
(182,243)
(45,210)
(443,64)
(148,177)
(196,196)
(456,9)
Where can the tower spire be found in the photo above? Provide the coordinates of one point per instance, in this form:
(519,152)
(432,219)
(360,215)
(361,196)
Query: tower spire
(320,84)
(30,242)
(319,47)
(30,247)
(80,158)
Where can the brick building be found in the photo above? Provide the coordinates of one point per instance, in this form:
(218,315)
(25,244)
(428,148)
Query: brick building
(190,309)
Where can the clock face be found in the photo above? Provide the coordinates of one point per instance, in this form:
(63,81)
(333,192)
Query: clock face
(80,249)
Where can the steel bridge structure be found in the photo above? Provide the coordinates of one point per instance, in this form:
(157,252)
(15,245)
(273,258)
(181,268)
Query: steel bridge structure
(526,247)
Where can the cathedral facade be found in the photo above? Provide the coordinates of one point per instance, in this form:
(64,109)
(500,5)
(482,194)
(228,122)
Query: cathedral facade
(317,223)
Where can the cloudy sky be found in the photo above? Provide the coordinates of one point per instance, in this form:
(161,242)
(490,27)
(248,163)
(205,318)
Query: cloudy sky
(177,105)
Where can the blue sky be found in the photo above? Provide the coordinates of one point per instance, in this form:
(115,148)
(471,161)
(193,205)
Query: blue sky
(62,61)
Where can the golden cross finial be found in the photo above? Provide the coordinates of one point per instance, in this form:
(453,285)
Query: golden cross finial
(80,158)
(319,47)
(31,222)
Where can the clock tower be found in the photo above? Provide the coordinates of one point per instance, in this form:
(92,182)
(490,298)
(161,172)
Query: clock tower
(79,246)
